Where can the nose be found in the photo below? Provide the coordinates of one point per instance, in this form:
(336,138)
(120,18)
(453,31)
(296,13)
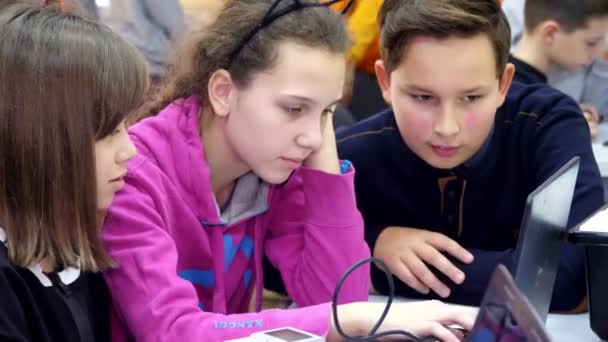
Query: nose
(127,150)
(311,136)
(447,123)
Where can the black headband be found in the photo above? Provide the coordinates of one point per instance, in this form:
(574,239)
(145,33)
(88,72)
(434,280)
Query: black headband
(272,15)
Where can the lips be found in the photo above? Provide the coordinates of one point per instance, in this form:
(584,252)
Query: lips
(120,178)
(293,163)
(445,151)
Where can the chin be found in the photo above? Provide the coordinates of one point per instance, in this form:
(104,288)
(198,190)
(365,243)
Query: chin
(104,204)
(274,177)
(573,67)
(103,207)
(444,164)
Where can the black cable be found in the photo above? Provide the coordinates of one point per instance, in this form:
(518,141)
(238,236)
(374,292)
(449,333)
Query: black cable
(372,336)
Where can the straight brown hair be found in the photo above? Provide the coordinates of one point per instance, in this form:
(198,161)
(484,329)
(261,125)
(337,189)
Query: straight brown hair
(65,82)
(402,20)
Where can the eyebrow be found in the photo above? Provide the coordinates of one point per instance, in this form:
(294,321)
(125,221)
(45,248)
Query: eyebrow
(416,88)
(478,89)
(309,100)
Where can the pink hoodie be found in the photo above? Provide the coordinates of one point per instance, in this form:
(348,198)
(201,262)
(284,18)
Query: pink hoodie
(186,270)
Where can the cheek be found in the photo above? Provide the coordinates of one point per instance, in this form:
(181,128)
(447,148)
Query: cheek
(419,124)
(581,54)
(411,116)
(568,43)
(577,53)
(472,121)
(478,123)
(257,134)
(413,124)
(102,180)
(100,168)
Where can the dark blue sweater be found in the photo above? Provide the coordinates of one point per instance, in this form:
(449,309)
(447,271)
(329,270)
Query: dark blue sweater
(480,204)
(526,73)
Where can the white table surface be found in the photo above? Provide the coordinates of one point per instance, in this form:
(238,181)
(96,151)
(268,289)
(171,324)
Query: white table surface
(600,151)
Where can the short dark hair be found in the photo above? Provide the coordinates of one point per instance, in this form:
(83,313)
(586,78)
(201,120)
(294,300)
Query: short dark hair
(65,82)
(402,20)
(571,15)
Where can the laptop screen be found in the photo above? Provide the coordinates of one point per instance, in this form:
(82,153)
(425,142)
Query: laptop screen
(505,315)
(543,231)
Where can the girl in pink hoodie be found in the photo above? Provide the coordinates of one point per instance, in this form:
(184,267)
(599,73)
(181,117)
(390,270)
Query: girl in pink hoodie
(239,160)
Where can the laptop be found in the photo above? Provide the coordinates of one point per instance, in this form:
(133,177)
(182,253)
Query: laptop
(543,230)
(505,314)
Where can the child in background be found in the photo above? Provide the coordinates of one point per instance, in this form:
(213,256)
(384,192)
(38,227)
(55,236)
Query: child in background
(567,35)
(152,26)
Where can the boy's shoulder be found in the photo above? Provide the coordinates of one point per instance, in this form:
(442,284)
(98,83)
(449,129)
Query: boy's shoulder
(364,133)
(539,102)
(370,141)
(526,73)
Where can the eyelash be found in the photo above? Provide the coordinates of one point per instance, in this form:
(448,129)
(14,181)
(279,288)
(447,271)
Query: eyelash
(329,111)
(421,98)
(472,98)
(294,110)
(299,110)
(115,132)
(428,98)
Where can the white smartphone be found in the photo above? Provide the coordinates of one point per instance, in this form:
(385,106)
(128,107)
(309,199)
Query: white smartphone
(285,334)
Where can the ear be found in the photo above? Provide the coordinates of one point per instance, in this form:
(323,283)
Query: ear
(220,91)
(547,31)
(384,80)
(505,82)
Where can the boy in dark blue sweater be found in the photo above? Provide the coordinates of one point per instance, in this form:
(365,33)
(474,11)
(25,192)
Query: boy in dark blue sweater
(442,178)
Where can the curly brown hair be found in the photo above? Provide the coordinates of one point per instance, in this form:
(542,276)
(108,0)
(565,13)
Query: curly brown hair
(210,49)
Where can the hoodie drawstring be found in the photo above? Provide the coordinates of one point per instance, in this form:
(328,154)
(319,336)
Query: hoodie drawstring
(217,248)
